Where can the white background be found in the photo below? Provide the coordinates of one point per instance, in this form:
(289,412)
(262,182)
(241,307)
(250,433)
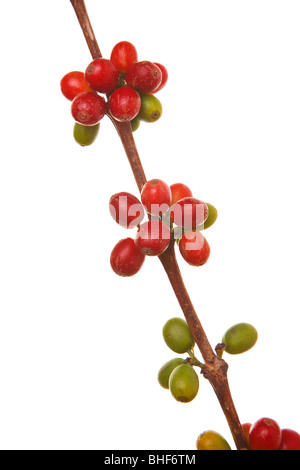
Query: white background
(80,347)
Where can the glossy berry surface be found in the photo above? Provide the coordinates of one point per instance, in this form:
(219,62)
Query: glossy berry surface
(123,55)
(153,237)
(177,335)
(143,76)
(165,76)
(102,75)
(240,338)
(88,108)
(211,440)
(124,104)
(184,383)
(72,84)
(179,191)
(156,196)
(290,440)
(126,259)
(189,212)
(151,108)
(85,135)
(126,209)
(166,370)
(265,434)
(194,248)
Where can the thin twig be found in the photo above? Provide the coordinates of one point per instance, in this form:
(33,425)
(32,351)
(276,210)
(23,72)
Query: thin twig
(215,370)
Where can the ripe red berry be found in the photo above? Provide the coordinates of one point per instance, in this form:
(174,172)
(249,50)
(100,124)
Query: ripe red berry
(126,209)
(143,76)
(265,434)
(153,237)
(164,74)
(194,248)
(179,191)
(126,259)
(246,428)
(290,440)
(102,75)
(72,84)
(123,55)
(88,108)
(189,212)
(124,104)
(156,196)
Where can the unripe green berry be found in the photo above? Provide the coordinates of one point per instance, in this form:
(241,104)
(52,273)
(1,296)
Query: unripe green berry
(135,124)
(151,108)
(178,336)
(239,338)
(211,440)
(184,383)
(212,216)
(166,370)
(85,135)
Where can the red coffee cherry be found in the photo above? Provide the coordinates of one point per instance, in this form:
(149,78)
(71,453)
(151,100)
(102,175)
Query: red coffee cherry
(102,75)
(265,434)
(143,76)
(164,74)
(246,428)
(123,55)
(124,104)
(88,108)
(72,84)
(156,196)
(126,259)
(126,209)
(189,212)
(179,191)
(290,440)
(194,248)
(153,237)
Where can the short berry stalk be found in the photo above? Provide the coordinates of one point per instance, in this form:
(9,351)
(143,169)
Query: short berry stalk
(214,368)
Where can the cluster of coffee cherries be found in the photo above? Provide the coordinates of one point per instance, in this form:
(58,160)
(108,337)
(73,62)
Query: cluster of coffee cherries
(178,374)
(166,207)
(264,434)
(120,86)
(180,377)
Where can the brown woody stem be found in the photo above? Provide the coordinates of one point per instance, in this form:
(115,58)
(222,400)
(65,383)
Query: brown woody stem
(215,368)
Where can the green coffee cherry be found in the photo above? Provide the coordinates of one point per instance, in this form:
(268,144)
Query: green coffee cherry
(184,383)
(151,108)
(166,370)
(85,135)
(178,336)
(135,124)
(239,338)
(211,440)
(212,216)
